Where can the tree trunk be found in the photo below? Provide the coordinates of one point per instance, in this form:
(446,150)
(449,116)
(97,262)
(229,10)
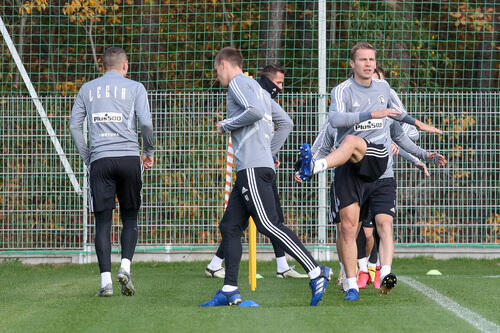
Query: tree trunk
(271,33)
(148,44)
(20,42)
(488,54)
(400,48)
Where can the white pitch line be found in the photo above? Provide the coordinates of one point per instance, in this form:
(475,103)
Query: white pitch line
(469,316)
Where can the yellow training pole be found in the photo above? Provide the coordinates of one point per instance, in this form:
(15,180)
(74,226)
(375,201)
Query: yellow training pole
(252,249)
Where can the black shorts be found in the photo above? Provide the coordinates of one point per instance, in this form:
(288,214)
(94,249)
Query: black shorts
(367,222)
(116,176)
(333,214)
(373,164)
(354,182)
(382,199)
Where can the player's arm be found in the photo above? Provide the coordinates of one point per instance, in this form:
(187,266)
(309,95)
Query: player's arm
(78,114)
(396,104)
(284,126)
(338,115)
(144,115)
(402,140)
(411,131)
(247,98)
(413,160)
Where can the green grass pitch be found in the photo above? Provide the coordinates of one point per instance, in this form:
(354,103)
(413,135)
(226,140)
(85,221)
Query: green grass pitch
(60,298)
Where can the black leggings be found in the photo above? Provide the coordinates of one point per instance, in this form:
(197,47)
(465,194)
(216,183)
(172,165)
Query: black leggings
(361,242)
(254,195)
(278,251)
(128,239)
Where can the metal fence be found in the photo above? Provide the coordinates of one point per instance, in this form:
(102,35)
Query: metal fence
(183,193)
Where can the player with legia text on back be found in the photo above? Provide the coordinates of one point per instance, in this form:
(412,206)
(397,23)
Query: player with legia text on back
(112,104)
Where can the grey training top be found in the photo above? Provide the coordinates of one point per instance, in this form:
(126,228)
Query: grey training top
(350,112)
(409,129)
(112,105)
(251,116)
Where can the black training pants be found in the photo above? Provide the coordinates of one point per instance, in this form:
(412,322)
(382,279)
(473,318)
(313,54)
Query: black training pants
(254,195)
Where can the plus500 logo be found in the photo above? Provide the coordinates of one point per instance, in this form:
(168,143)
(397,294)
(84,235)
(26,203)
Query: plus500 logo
(372,124)
(107,117)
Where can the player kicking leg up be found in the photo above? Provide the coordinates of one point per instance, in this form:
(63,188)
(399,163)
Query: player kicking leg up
(358,164)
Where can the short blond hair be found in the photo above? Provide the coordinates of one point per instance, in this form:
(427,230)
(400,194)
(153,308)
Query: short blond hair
(361,46)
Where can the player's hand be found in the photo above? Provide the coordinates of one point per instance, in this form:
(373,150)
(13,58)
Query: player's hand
(427,128)
(147,161)
(385,113)
(297,178)
(437,159)
(423,167)
(395,149)
(219,128)
(277,164)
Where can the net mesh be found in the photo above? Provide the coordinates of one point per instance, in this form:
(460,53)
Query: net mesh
(424,45)
(442,56)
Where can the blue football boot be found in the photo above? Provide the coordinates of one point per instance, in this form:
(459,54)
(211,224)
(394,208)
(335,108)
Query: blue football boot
(306,162)
(319,284)
(352,295)
(222,298)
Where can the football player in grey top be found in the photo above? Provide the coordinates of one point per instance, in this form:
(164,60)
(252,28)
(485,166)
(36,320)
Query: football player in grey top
(251,117)
(112,105)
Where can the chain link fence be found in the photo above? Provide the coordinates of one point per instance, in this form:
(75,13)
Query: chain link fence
(183,194)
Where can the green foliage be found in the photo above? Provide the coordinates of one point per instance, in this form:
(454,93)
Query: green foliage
(424,45)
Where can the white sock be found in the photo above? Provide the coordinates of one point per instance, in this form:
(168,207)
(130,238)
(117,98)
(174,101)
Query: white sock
(125,265)
(378,261)
(320,165)
(342,268)
(314,273)
(281,264)
(215,264)
(372,265)
(362,264)
(384,270)
(105,279)
(352,284)
(227,288)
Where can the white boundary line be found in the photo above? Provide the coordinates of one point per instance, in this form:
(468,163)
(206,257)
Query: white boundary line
(39,107)
(469,316)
